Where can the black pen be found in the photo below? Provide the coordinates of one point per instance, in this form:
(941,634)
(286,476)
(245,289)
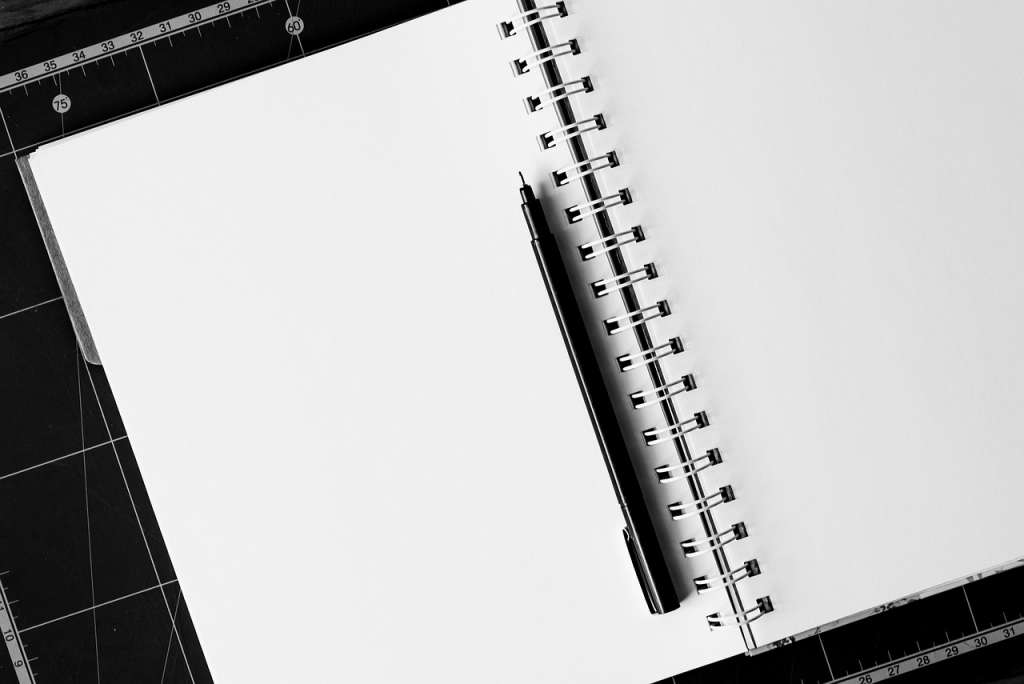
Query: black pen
(639,533)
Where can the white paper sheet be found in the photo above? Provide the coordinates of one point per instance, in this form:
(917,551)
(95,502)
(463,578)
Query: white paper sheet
(317,305)
(833,193)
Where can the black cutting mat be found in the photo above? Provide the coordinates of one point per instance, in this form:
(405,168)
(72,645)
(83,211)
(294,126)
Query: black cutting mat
(82,563)
(92,587)
(81,557)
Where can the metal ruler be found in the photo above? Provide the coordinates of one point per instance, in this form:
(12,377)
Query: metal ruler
(12,639)
(135,39)
(936,654)
(89,85)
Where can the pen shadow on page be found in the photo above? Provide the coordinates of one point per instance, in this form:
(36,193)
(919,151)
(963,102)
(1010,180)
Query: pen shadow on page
(670,533)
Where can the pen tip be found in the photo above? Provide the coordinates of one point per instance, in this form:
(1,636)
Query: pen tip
(521,178)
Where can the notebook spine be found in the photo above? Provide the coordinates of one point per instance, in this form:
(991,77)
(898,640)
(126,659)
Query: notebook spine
(613,244)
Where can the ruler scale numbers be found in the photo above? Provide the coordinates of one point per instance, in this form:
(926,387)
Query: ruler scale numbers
(127,41)
(13,642)
(936,654)
(137,70)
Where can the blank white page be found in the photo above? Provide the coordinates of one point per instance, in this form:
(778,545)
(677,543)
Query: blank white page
(834,194)
(317,305)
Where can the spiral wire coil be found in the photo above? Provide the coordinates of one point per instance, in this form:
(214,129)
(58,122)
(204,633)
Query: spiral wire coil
(585,168)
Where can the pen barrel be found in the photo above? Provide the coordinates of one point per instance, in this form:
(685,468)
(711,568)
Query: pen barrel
(640,533)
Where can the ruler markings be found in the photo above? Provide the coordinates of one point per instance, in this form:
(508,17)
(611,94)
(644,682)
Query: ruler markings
(936,654)
(177,26)
(128,112)
(124,42)
(152,85)
(12,637)
(296,35)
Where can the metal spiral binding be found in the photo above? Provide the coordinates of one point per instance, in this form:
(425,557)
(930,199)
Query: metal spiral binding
(651,356)
(705,584)
(617,324)
(698,547)
(598,205)
(558,95)
(742,617)
(682,511)
(531,17)
(607,243)
(616,283)
(522,66)
(552,138)
(654,436)
(643,399)
(677,471)
(586,167)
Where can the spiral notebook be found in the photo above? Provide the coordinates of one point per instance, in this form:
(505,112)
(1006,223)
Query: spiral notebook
(831,201)
(317,306)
